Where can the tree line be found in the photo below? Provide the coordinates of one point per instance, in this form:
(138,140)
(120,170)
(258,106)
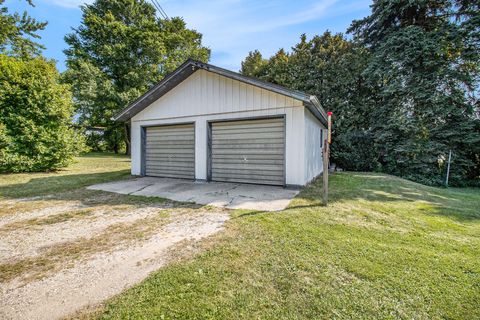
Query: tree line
(403,88)
(403,84)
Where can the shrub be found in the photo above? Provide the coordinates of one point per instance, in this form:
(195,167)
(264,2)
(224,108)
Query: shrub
(35,117)
(96,141)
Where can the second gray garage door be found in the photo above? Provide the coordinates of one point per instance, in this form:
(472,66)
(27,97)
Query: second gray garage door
(249,151)
(170,151)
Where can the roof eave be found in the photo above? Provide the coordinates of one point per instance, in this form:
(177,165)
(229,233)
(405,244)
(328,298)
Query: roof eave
(125,113)
(314,106)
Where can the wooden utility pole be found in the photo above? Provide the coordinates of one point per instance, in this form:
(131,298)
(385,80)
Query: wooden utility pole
(326,159)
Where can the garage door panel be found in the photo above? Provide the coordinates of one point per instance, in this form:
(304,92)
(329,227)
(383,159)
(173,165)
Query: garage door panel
(171,128)
(167,150)
(170,151)
(161,146)
(252,122)
(255,161)
(253,153)
(178,136)
(170,142)
(250,145)
(245,130)
(250,151)
(170,165)
(265,182)
(165,160)
(222,157)
(173,150)
(275,180)
(187,137)
(160,157)
(247,166)
(253,173)
(168,174)
(170,162)
(248,124)
(170,131)
(246,135)
(241,141)
(155,172)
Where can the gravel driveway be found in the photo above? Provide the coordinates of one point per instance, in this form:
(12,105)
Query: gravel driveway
(66,252)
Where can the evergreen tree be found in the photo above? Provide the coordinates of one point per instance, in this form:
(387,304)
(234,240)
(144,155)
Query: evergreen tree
(17,32)
(330,67)
(254,65)
(119,51)
(425,61)
(279,70)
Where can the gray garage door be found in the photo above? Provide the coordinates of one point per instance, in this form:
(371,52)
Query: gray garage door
(251,151)
(170,151)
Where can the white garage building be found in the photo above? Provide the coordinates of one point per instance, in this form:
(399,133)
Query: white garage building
(206,123)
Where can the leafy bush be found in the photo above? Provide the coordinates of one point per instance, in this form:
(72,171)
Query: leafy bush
(96,141)
(35,117)
(353,151)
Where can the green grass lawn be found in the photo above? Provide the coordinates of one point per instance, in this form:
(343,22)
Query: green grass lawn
(384,248)
(87,170)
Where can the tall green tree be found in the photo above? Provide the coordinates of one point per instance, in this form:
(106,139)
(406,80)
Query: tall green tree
(425,60)
(17,32)
(330,67)
(117,53)
(254,64)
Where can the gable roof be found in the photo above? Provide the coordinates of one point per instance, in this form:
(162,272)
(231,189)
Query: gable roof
(190,66)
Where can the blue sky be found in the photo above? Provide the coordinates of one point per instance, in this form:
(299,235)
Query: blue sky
(230,28)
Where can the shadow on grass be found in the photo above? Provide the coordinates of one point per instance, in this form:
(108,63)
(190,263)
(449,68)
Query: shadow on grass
(252,213)
(59,183)
(461,205)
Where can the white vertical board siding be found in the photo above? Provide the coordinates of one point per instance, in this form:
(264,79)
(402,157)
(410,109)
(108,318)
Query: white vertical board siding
(201,150)
(295,146)
(313,147)
(205,96)
(135,145)
(205,93)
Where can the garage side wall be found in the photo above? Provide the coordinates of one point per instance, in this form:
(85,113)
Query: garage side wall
(313,146)
(204,97)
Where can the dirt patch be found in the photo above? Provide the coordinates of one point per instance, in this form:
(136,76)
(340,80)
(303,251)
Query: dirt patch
(65,258)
